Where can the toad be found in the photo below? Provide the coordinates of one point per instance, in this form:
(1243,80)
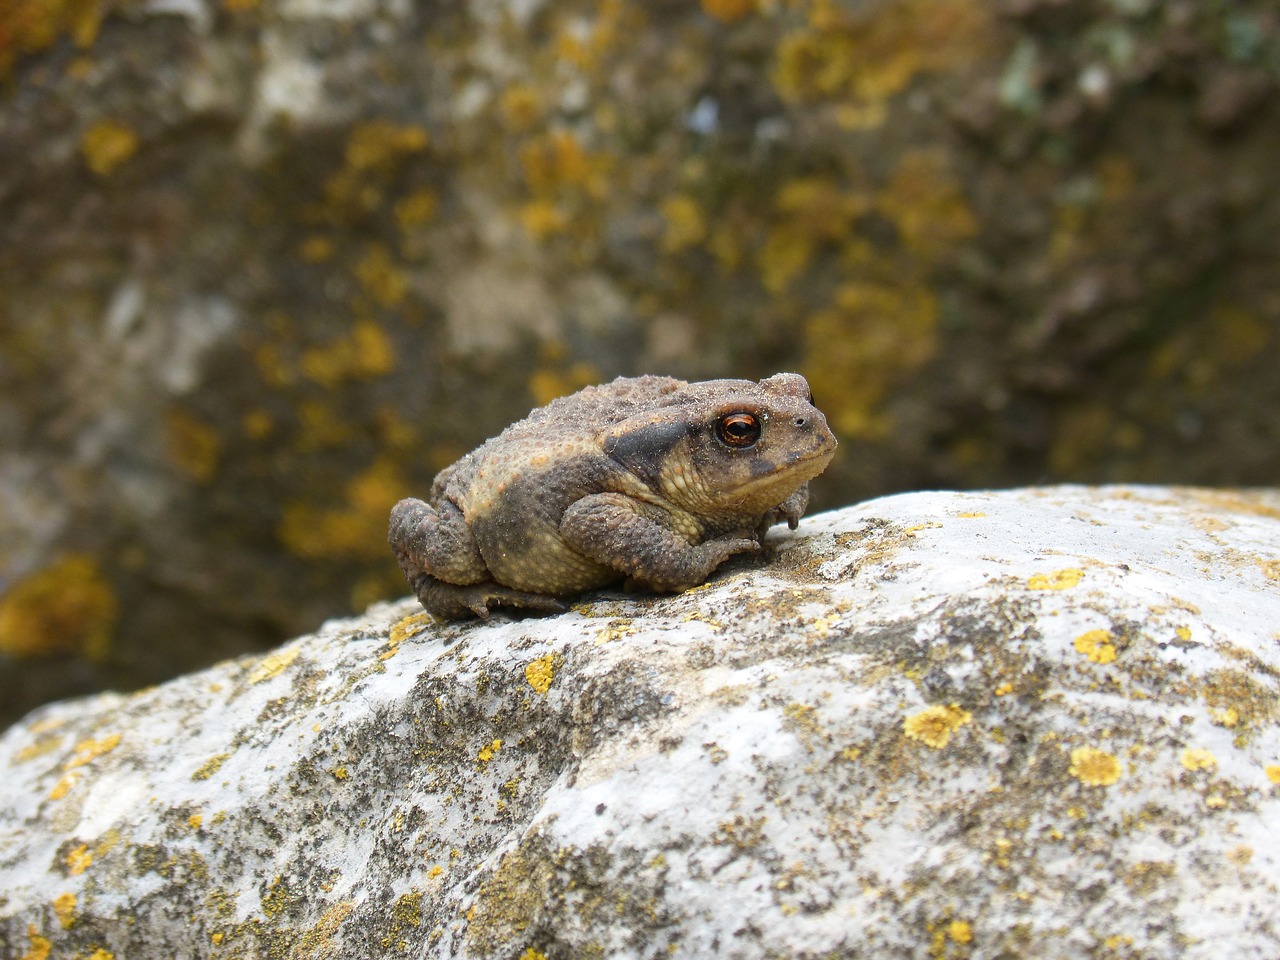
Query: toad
(647,480)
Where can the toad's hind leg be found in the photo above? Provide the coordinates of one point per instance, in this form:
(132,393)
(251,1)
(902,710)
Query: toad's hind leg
(435,541)
(452,602)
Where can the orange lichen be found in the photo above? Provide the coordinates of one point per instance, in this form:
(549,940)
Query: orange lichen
(540,672)
(1198,759)
(729,11)
(106,145)
(194,446)
(934,725)
(67,608)
(1096,645)
(1057,580)
(1094,767)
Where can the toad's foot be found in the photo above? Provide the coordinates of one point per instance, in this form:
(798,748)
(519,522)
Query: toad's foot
(452,602)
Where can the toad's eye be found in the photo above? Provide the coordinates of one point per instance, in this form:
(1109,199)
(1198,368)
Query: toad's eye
(739,430)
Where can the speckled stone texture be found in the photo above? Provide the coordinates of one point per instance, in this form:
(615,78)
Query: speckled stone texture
(1036,723)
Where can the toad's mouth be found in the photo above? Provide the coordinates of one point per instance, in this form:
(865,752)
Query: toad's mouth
(796,468)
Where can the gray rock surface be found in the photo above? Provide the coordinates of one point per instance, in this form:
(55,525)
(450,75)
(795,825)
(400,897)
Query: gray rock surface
(1037,723)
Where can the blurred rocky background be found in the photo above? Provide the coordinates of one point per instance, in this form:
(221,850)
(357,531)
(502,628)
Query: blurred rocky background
(267,265)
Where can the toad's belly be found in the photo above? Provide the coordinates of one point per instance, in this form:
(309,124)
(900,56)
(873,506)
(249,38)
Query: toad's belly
(533,557)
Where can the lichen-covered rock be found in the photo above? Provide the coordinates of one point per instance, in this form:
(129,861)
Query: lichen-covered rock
(1034,723)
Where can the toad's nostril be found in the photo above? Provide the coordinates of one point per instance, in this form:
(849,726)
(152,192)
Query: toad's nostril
(801,421)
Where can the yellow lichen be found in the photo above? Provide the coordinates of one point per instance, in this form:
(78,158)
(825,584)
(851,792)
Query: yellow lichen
(194,446)
(272,665)
(686,225)
(532,954)
(1198,759)
(1057,580)
(1004,689)
(542,218)
(32,25)
(40,946)
(64,907)
(106,145)
(210,766)
(860,57)
(38,749)
(383,280)
(374,152)
(194,821)
(926,205)
(354,528)
(90,749)
(540,672)
(873,337)
(417,209)
(364,353)
(78,860)
(934,725)
(557,160)
(1229,717)
(402,630)
(548,382)
(961,931)
(1096,645)
(521,107)
(67,608)
(488,751)
(1272,770)
(63,786)
(316,249)
(1094,767)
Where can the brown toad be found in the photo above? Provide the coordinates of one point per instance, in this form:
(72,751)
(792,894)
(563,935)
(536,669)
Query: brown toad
(647,479)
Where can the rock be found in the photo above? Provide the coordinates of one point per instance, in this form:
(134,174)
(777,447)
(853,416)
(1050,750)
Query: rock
(1030,723)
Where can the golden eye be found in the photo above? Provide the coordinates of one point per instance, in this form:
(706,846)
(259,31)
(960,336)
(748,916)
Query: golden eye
(739,430)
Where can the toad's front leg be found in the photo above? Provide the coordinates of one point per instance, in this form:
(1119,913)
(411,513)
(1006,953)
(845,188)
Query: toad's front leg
(626,535)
